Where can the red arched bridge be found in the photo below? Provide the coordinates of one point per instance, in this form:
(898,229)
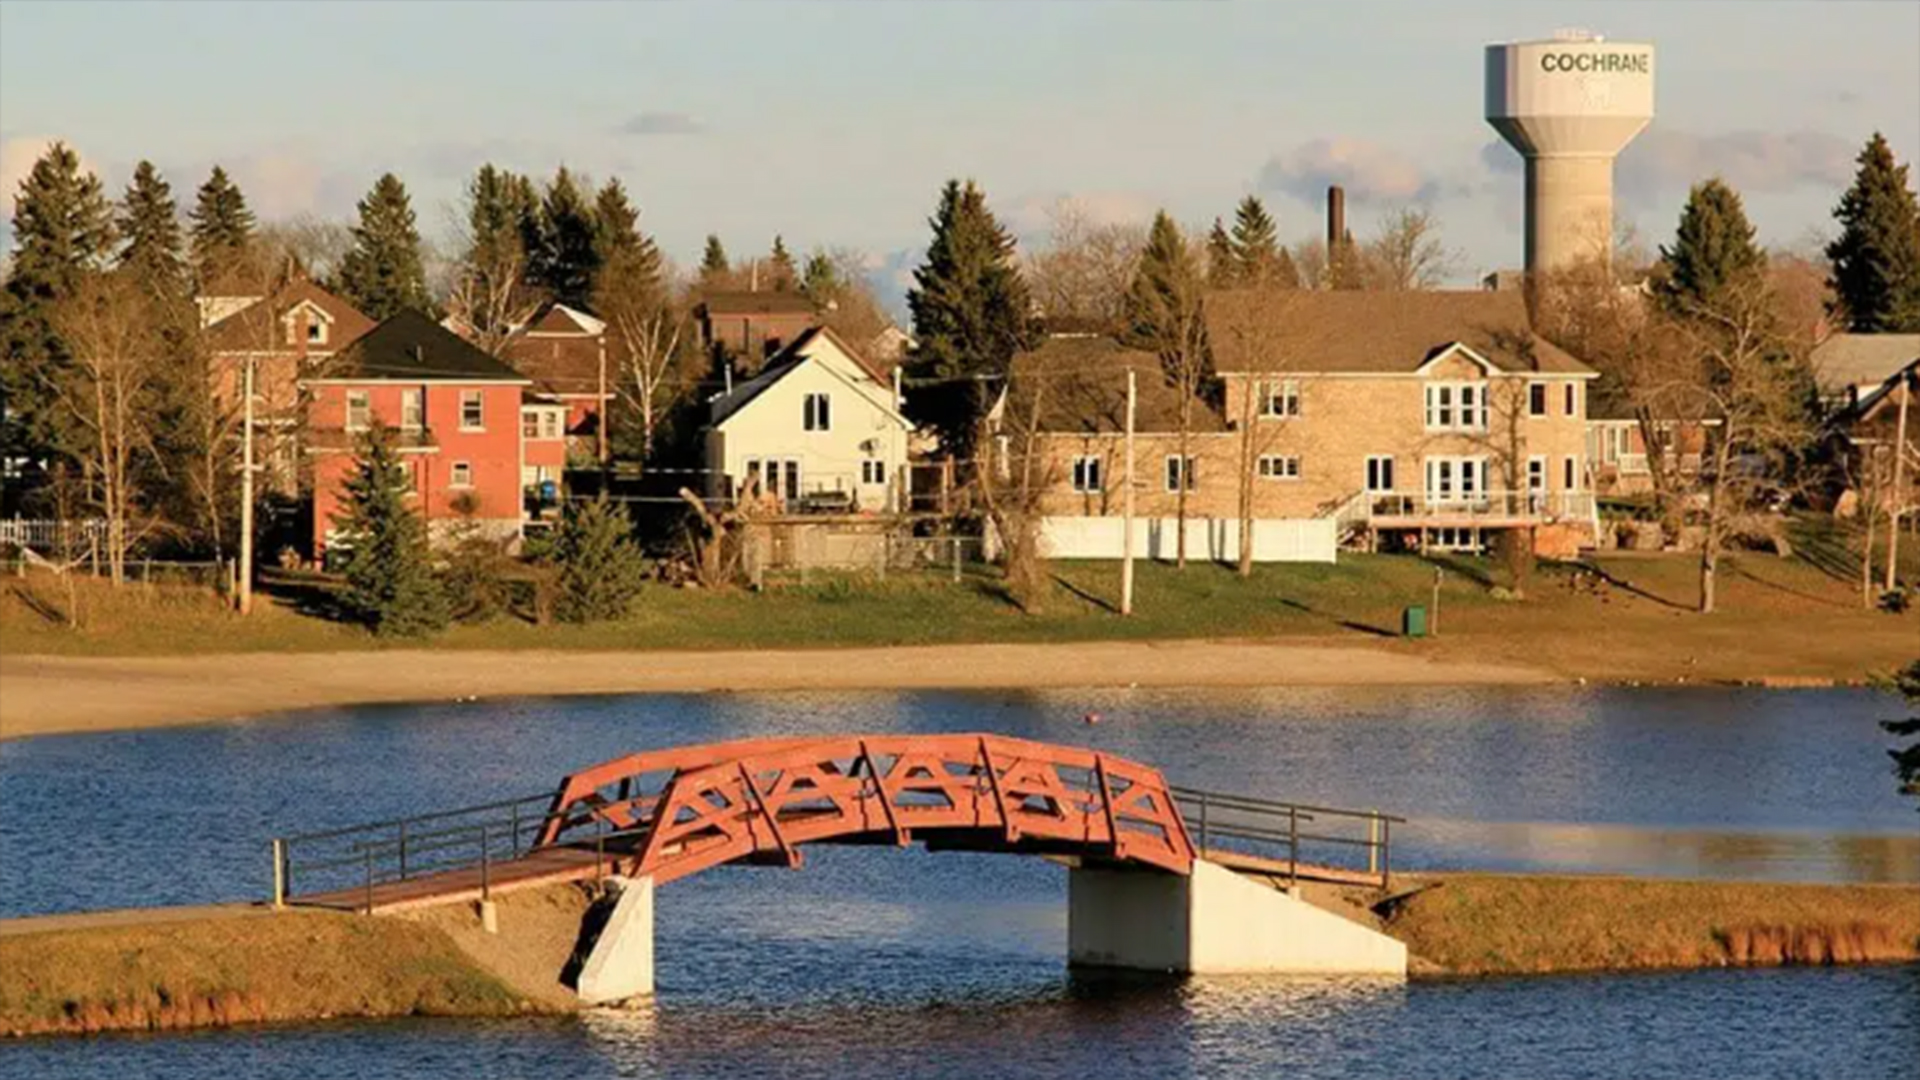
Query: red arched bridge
(669,813)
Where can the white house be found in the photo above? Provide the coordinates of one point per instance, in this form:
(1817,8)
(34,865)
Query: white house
(819,425)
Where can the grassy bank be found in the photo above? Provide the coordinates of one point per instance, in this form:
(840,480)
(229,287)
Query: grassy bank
(1469,924)
(234,969)
(1631,621)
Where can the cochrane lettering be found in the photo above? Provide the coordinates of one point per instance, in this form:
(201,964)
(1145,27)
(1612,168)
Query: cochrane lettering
(1636,63)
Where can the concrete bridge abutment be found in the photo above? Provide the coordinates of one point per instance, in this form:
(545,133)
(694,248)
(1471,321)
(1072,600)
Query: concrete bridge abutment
(619,963)
(1213,922)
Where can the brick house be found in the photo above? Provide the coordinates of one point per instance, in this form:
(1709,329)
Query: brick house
(467,425)
(565,352)
(741,331)
(1428,418)
(286,336)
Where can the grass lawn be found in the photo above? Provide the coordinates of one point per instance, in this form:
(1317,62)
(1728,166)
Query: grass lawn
(1631,619)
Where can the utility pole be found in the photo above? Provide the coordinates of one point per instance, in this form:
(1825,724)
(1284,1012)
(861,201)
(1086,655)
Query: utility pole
(245,593)
(1899,481)
(1126,504)
(600,409)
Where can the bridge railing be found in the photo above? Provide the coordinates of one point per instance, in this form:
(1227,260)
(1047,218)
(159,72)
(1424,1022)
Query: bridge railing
(1283,837)
(336,862)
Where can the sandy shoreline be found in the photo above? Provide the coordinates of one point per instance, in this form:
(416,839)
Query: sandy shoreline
(44,695)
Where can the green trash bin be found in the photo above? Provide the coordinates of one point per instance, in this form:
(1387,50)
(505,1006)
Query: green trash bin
(1413,621)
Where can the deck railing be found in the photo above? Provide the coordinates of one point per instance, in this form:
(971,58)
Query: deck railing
(1291,835)
(1479,506)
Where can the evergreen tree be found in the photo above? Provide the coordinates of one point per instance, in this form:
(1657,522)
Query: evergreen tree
(1256,247)
(391,587)
(819,280)
(568,259)
(1165,317)
(524,196)
(971,314)
(221,232)
(1876,259)
(62,230)
(150,229)
(600,567)
(494,290)
(383,273)
(629,260)
(1223,263)
(1713,249)
(713,263)
(785,276)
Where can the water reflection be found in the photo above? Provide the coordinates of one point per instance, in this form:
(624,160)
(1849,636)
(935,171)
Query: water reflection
(1625,849)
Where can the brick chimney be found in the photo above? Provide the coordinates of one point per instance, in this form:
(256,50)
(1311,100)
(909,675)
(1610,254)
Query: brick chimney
(1336,217)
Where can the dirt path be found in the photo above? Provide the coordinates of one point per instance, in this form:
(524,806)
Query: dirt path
(42,695)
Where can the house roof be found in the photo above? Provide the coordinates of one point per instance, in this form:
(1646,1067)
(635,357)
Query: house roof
(756,303)
(412,347)
(1863,360)
(1376,333)
(255,328)
(1083,385)
(794,354)
(559,349)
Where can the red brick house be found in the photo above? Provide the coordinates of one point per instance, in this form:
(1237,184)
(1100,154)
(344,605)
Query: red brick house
(467,425)
(286,336)
(565,352)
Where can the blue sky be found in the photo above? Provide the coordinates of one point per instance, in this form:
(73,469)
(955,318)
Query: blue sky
(835,123)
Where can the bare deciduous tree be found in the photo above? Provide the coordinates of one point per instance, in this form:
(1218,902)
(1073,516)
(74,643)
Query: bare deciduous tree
(649,332)
(1011,482)
(1406,253)
(1086,268)
(1265,400)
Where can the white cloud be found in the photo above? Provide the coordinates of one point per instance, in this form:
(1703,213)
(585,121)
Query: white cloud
(1034,214)
(662,123)
(1661,164)
(1369,171)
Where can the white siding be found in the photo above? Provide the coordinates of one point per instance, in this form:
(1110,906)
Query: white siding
(1274,539)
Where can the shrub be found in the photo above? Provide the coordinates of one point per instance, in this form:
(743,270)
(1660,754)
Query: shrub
(391,586)
(600,567)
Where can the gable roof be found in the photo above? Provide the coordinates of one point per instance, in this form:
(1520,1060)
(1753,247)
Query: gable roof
(559,348)
(756,303)
(412,347)
(1377,333)
(1844,361)
(256,327)
(558,318)
(1085,388)
(786,361)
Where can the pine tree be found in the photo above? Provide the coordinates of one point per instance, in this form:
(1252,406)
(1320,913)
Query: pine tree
(1223,263)
(1876,259)
(62,230)
(1165,317)
(785,276)
(628,258)
(391,587)
(493,291)
(600,567)
(383,274)
(221,233)
(819,280)
(150,228)
(1712,250)
(713,263)
(524,196)
(567,259)
(971,314)
(1256,247)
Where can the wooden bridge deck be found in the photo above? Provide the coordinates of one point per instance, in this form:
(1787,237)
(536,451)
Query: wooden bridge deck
(544,866)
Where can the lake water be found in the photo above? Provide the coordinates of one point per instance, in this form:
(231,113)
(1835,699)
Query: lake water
(875,962)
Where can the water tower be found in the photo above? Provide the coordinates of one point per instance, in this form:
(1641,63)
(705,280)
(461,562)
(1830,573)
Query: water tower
(1569,105)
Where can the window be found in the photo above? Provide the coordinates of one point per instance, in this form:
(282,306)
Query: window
(873,472)
(1380,473)
(461,476)
(1179,470)
(1573,394)
(359,410)
(1279,467)
(1536,484)
(1280,399)
(1456,479)
(1086,474)
(1536,399)
(776,477)
(1457,406)
(411,413)
(817,413)
(540,424)
(1570,472)
(316,331)
(472,414)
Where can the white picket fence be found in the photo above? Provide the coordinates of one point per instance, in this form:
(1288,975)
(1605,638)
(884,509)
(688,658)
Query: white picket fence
(45,536)
(1218,539)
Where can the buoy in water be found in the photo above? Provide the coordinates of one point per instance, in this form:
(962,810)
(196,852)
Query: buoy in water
(1091,718)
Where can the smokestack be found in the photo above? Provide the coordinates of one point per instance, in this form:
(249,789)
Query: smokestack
(1336,218)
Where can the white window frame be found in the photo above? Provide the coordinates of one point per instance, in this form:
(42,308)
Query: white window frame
(1454,479)
(1279,467)
(477,399)
(1378,477)
(873,472)
(413,400)
(1279,399)
(1536,482)
(360,402)
(1570,473)
(1086,474)
(1175,473)
(455,471)
(1456,406)
(1572,396)
(1542,405)
(816,412)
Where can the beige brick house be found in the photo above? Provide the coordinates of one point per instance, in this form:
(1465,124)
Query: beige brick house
(1430,418)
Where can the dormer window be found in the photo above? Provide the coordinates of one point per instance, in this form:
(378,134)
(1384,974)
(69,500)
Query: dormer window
(316,332)
(307,324)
